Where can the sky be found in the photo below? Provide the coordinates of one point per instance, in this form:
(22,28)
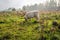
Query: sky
(5,4)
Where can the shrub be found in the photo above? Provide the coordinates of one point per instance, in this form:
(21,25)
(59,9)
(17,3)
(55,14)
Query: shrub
(54,38)
(7,36)
(54,23)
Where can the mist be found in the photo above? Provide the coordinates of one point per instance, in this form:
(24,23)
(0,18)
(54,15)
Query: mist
(30,4)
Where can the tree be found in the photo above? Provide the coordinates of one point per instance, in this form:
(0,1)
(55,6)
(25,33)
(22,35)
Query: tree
(24,8)
(13,9)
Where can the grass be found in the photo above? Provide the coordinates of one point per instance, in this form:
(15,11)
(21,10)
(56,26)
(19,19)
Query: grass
(12,27)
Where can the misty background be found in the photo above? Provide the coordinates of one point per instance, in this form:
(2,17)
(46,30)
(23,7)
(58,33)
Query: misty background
(29,5)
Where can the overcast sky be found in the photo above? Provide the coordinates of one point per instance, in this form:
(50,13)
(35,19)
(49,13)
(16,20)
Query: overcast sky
(4,4)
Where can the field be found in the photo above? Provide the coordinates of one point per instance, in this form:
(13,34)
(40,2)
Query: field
(14,27)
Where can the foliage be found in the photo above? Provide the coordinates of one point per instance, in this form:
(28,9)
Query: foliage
(14,27)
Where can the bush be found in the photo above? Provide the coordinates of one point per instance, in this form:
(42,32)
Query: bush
(6,36)
(54,23)
(54,38)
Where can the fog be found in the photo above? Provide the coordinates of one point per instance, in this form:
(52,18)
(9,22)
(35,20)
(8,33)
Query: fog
(4,4)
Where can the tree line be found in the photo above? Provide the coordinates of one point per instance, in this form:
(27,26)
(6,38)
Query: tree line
(48,5)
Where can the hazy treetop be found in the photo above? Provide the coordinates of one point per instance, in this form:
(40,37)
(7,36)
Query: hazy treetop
(5,4)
